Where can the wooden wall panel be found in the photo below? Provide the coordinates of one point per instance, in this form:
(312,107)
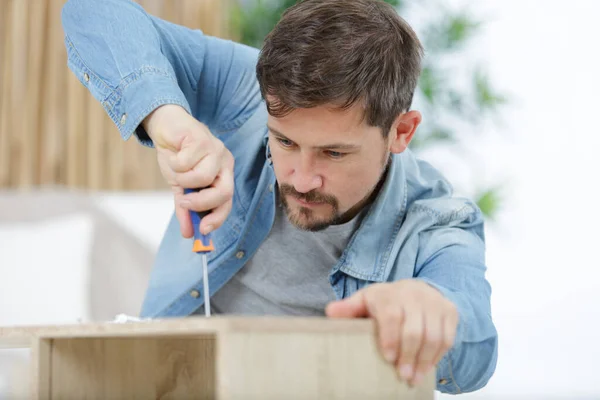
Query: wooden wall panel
(52,131)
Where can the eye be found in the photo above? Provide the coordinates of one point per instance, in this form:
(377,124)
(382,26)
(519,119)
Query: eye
(285,142)
(335,154)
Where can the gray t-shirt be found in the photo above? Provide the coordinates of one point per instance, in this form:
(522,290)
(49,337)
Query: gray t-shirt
(289,273)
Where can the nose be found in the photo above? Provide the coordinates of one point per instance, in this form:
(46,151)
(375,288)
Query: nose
(304,176)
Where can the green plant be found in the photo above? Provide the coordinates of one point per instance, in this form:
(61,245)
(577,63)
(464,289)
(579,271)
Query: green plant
(452,96)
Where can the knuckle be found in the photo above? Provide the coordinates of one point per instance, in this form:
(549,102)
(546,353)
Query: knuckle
(227,192)
(392,315)
(218,146)
(217,222)
(448,342)
(412,336)
(451,310)
(388,345)
(203,178)
(433,338)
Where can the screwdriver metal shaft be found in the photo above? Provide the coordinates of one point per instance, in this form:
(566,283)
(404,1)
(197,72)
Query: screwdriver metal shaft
(202,245)
(206,289)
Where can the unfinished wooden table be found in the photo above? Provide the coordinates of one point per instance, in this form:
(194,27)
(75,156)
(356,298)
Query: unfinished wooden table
(211,358)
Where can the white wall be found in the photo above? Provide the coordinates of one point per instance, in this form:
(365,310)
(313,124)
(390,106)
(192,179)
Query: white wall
(543,249)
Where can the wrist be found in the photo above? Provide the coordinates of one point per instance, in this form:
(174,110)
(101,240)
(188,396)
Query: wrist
(155,121)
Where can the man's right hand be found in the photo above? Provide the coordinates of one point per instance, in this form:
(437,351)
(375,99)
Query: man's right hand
(190,156)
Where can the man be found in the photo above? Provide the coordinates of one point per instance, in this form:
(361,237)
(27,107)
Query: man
(326,212)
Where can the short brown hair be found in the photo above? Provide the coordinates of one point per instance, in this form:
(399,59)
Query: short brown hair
(341,52)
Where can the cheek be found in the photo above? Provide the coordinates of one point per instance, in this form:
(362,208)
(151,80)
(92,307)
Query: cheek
(352,183)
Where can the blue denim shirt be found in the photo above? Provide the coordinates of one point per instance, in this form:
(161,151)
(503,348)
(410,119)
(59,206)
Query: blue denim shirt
(132,63)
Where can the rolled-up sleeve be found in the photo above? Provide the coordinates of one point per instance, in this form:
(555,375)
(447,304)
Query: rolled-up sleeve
(133,62)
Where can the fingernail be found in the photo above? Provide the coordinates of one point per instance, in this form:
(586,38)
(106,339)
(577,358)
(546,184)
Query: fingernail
(406,372)
(390,356)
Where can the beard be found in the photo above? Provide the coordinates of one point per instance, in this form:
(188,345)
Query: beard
(304,217)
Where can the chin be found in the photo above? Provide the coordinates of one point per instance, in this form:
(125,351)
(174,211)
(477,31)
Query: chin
(306,220)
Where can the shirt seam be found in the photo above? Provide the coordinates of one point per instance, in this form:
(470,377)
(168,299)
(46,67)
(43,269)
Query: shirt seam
(83,63)
(451,373)
(131,78)
(439,217)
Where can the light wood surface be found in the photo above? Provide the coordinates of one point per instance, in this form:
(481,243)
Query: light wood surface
(221,357)
(308,365)
(146,368)
(21,336)
(41,368)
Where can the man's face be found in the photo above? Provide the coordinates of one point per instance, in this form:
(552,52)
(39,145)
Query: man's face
(327,163)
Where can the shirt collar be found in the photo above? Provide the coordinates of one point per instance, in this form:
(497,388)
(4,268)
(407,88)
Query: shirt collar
(367,255)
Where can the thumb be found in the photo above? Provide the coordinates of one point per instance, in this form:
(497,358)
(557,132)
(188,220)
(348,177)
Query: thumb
(354,306)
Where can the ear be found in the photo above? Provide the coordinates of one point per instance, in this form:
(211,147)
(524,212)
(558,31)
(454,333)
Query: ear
(403,130)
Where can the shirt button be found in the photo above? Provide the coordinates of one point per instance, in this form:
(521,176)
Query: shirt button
(240,254)
(123,119)
(195,294)
(86,77)
(443,381)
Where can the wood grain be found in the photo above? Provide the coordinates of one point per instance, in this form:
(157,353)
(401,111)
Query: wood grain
(219,357)
(29,167)
(156,368)
(76,133)
(308,366)
(5,94)
(52,131)
(22,336)
(18,81)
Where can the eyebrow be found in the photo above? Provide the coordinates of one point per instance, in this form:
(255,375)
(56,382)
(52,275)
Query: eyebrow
(339,146)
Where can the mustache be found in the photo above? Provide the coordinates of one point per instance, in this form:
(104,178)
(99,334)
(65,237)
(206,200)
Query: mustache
(308,197)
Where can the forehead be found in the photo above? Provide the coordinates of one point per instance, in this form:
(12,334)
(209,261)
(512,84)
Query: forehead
(321,124)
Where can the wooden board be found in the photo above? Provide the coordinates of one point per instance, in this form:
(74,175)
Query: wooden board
(309,365)
(41,368)
(221,357)
(21,336)
(149,368)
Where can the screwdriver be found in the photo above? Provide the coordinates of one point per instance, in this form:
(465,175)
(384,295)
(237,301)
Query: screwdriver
(203,244)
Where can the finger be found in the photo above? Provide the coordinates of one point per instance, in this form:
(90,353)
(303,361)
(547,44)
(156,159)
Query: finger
(216,218)
(182,215)
(449,324)
(162,156)
(410,342)
(212,198)
(354,306)
(389,318)
(193,149)
(201,175)
(204,200)
(432,343)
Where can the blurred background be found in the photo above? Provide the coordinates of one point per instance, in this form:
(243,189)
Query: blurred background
(508,96)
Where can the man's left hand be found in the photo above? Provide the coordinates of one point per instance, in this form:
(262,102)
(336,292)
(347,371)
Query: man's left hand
(416,324)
